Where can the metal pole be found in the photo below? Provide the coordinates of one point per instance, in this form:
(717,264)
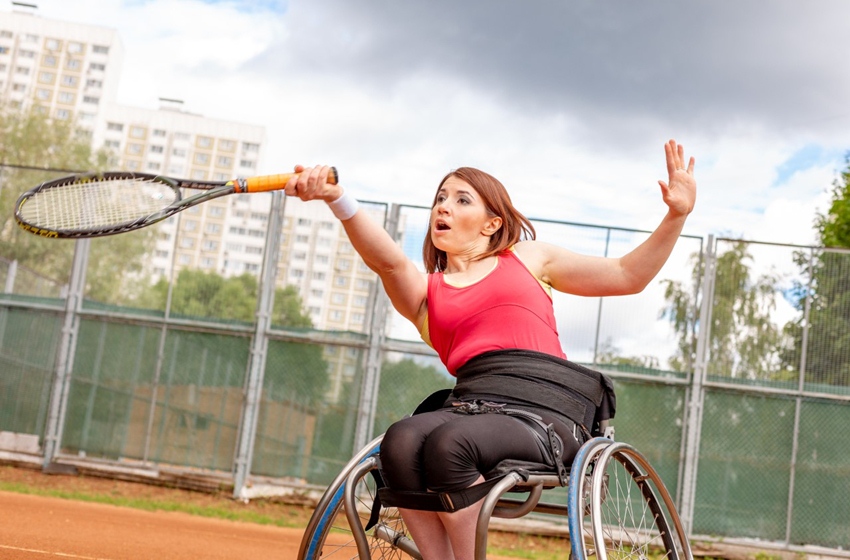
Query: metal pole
(599,307)
(160,351)
(65,356)
(697,391)
(259,349)
(10,277)
(798,404)
(372,375)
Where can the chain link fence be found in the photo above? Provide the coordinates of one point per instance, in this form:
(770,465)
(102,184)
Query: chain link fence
(732,368)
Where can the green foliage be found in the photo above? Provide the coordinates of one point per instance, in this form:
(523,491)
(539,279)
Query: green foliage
(203,294)
(31,139)
(609,354)
(827,286)
(743,342)
(404,384)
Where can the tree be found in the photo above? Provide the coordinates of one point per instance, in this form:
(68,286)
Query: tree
(743,341)
(201,294)
(610,355)
(30,141)
(828,290)
(403,385)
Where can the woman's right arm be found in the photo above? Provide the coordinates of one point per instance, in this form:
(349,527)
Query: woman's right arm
(405,285)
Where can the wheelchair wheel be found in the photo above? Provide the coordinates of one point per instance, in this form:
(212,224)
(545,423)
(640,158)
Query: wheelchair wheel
(620,508)
(331,532)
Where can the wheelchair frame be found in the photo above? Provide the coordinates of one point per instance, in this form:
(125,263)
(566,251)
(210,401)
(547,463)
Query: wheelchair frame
(616,504)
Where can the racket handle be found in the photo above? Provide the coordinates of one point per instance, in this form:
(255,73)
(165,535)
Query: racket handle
(265,183)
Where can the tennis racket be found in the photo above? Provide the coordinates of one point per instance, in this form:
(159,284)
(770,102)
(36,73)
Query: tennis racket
(101,204)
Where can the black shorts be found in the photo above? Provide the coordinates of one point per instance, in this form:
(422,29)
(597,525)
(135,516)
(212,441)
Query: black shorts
(444,451)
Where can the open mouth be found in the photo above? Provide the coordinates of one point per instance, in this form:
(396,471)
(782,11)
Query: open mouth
(440,225)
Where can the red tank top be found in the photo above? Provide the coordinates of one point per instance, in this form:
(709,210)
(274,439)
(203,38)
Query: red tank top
(507,309)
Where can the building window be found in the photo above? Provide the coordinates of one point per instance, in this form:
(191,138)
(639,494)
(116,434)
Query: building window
(96,66)
(247,163)
(133,148)
(153,166)
(112,144)
(158,132)
(66,97)
(250,147)
(114,126)
(73,64)
(22,70)
(91,99)
(52,44)
(26,54)
(179,152)
(226,145)
(213,228)
(205,142)
(100,49)
(224,161)
(43,94)
(157,149)
(97,84)
(74,47)
(62,114)
(70,81)
(202,159)
(46,77)
(138,131)
(49,60)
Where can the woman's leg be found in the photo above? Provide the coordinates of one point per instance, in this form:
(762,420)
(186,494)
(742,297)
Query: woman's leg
(429,534)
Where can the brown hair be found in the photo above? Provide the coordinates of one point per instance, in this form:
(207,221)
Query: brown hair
(515,226)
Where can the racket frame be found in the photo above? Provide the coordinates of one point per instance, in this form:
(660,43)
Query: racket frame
(212,190)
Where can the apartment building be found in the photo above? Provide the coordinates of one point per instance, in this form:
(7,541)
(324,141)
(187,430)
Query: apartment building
(171,141)
(71,71)
(68,70)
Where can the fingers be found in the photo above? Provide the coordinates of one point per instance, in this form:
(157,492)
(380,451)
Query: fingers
(308,183)
(675,154)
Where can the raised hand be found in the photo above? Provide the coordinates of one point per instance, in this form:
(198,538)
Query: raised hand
(680,190)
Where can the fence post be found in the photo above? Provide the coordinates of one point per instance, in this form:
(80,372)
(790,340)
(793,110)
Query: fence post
(65,356)
(798,402)
(259,349)
(693,423)
(10,277)
(372,374)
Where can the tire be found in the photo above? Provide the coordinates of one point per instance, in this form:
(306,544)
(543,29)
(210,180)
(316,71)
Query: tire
(621,508)
(329,532)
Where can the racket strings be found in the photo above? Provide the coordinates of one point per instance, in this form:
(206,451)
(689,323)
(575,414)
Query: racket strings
(97,204)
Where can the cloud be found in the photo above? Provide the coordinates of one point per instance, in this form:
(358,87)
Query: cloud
(568,103)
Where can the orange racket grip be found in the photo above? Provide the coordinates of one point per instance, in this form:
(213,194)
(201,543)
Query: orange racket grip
(265,183)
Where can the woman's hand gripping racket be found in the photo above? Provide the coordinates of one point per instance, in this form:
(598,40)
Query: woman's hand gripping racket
(100,204)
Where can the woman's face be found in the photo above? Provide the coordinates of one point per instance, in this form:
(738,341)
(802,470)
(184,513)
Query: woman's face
(459,220)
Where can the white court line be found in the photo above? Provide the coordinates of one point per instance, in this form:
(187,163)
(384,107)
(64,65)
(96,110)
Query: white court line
(62,554)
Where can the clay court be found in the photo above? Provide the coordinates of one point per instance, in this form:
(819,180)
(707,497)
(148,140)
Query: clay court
(42,527)
(38,527)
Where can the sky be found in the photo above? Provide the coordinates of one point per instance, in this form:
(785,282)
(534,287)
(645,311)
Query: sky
(568,103)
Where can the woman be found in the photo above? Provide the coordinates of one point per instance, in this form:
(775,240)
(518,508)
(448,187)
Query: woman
(484,305)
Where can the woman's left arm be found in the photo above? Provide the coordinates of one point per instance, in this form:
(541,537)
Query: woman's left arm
(573,273)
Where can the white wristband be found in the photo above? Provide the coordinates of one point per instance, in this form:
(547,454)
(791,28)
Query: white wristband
(345,207)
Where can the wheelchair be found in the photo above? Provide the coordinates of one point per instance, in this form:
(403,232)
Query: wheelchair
(616,506)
